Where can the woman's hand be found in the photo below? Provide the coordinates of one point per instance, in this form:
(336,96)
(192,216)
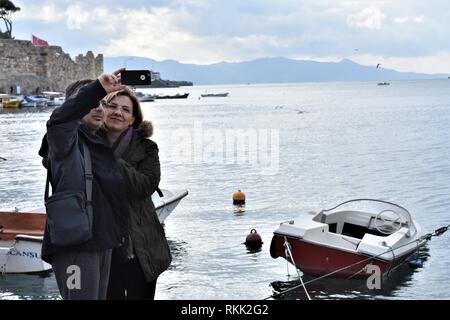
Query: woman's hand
(111,82)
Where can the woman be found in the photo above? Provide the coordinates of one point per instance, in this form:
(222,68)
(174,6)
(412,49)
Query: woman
(134,271)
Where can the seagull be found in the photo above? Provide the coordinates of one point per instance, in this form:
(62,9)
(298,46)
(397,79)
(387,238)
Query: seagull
(379,64)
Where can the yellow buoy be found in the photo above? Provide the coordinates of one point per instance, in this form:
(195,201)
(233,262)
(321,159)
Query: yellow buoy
(239,197)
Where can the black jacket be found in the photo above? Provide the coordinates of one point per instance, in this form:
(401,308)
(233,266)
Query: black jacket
(65,132)
(141,168)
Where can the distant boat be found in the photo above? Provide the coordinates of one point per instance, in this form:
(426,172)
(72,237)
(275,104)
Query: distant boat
(208,95)
(146,98)
(34,101)
(383,83)
(55,99)
(177,96)
(12,104)
(7,101)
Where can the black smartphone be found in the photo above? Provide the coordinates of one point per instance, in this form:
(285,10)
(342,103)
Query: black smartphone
(136,77)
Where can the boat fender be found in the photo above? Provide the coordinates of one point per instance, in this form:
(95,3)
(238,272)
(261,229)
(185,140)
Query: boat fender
(415,263)
(253,240)
(239,197)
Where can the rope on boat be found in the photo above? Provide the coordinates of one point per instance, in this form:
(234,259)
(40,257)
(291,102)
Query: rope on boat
(363,269)
(393,259)
(427,237)
(287,247)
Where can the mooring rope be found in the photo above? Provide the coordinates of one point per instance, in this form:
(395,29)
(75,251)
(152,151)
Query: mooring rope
(287,247)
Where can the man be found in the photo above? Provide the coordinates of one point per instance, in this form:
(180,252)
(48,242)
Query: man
(82,271)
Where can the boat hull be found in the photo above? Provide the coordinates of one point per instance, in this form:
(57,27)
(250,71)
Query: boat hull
(318,260)
(22,255)
(11,104)
(177,96)
(213,95)
(165,205)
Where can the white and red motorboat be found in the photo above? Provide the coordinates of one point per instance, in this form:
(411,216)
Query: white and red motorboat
(349,237)
(21,234)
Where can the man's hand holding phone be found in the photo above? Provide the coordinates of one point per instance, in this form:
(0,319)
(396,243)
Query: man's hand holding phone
(111,82)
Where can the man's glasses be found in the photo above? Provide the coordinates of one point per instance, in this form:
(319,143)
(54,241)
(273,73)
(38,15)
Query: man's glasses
(126,110)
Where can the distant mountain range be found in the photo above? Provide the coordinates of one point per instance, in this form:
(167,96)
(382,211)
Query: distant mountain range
(264,70)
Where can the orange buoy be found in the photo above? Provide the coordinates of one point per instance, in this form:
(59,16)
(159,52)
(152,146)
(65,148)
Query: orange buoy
(239,197)
(253,240)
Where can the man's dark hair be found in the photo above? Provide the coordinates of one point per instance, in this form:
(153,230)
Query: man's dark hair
(75,86)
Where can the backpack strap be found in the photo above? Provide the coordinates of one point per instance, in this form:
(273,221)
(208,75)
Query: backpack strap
(88,176)
(47,182)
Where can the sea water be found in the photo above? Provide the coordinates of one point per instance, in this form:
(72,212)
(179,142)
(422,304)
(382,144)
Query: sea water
(290,148)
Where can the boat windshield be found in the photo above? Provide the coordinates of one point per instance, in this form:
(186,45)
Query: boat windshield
(376,207)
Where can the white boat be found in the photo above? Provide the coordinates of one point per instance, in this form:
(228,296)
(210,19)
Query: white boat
(55,99)
(34,102)
(166,204)
(349,237)
(21,234)
(146,98)
(22,255)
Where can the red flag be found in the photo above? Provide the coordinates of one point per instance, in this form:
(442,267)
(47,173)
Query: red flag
(37,41)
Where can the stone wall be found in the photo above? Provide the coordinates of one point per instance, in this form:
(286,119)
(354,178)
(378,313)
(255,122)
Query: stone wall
(43,68)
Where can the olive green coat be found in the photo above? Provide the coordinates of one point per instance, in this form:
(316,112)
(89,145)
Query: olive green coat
(140,167)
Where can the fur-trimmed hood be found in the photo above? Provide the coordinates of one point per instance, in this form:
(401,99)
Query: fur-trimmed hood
(145,129)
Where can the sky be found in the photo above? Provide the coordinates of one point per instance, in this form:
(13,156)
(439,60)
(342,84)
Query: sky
(405,35)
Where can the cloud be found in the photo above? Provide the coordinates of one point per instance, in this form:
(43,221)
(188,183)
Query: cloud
(406,19)
(370,18)
(435,63)
(207,31)
(76,17)
(95,19)
(152,33)
(262,41)
(47,13)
